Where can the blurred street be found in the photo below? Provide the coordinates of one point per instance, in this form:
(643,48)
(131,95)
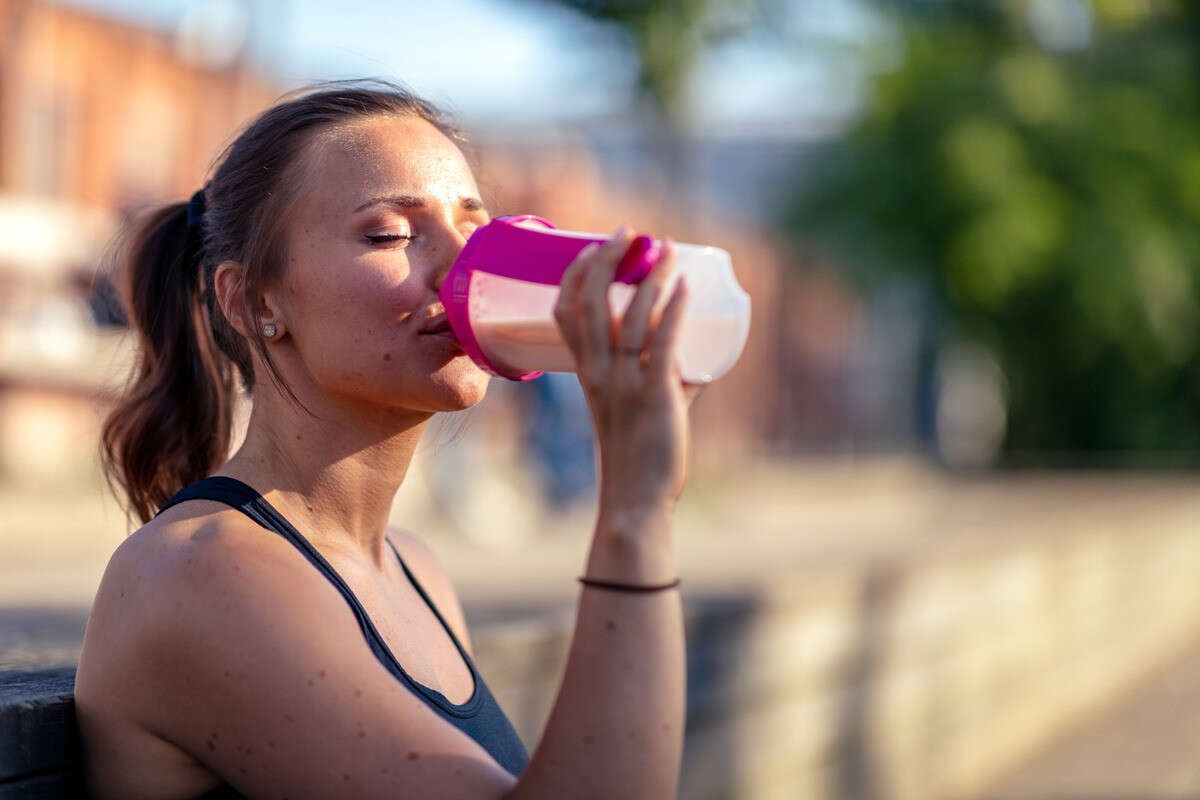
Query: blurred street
(803,528)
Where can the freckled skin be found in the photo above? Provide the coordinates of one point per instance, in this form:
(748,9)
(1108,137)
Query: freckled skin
(391,286)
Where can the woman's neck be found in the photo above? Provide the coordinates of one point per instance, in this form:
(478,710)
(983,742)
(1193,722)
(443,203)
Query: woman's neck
(333,472)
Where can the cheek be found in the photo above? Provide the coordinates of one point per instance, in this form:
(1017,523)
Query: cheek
(342,297)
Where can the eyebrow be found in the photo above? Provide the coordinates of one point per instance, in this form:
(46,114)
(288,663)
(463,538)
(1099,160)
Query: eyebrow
(412,201)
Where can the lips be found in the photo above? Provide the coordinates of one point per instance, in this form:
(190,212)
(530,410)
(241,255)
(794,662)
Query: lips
(438,324)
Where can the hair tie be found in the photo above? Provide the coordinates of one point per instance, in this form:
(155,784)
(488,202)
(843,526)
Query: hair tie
(195,209)
(194,245)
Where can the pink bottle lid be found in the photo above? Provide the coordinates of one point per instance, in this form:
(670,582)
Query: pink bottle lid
(506,248)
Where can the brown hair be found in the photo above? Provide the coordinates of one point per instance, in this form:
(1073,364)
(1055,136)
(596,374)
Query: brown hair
(173,424)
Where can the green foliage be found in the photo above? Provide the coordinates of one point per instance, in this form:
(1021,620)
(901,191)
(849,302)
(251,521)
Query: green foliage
(1050,201)
(666,38)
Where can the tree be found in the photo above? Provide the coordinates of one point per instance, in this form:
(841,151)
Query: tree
(1043,184)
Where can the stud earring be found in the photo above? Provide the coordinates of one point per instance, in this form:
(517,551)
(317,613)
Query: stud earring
(270,330)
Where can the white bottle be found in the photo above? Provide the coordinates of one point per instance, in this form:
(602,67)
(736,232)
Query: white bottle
(501,292)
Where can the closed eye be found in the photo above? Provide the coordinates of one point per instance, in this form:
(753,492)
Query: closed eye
(386,238)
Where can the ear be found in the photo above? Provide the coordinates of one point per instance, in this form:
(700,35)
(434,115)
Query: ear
(228,283)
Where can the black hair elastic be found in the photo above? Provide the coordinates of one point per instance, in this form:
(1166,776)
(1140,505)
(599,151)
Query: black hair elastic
(635,588)
(195,230)
(195,209)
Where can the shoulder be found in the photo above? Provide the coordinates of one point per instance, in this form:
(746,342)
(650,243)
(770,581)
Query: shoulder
(180,571)
(199,546)
(216,636)
(427,568)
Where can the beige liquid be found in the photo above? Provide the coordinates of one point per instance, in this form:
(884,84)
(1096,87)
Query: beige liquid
(707,346)
(514,323)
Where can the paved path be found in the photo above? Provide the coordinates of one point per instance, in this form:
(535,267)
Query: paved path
(1145,746)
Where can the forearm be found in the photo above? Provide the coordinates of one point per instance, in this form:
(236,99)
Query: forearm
(616,728)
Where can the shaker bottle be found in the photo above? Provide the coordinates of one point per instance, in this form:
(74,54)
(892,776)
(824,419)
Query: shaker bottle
(500,294)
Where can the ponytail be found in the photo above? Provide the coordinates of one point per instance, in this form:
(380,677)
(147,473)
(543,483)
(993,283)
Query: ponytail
(172,426)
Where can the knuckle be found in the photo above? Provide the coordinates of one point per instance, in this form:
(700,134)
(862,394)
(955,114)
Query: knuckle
(591,378)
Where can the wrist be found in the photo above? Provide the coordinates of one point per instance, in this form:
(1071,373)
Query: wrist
(633,545)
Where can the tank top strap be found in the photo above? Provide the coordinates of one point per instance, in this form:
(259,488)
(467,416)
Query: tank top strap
(244,498)
(480,717)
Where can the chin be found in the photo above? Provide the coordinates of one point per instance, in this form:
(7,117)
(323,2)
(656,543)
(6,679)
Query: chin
(459,385)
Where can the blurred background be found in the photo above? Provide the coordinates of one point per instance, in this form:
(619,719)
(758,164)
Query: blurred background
(939,536)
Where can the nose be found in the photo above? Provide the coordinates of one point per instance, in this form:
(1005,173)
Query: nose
(448,243)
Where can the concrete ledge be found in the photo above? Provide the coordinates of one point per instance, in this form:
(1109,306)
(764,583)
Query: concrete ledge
(39,749)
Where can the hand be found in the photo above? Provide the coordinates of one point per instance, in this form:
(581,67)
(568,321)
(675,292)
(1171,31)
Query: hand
(629,375)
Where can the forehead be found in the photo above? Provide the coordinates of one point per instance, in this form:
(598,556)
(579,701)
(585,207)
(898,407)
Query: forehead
(384,155)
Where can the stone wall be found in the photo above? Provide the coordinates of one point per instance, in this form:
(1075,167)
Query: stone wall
(921,675)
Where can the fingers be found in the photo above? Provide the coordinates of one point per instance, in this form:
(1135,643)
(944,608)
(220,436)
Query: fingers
(631,340)
(596,318)
(582,310)
(661,345)
(646,336)
(565,311)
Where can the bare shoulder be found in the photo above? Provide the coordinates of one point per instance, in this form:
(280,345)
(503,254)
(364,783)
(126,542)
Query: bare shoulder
(196,550)
(217,638)
(432,575)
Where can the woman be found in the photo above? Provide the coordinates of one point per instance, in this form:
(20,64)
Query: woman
(265,633)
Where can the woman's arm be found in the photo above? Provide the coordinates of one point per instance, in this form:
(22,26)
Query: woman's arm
(616,728)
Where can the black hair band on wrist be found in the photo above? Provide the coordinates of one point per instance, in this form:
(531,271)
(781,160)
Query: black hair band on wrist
(634,588)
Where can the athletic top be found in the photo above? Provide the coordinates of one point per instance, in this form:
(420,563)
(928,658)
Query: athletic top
(480,717)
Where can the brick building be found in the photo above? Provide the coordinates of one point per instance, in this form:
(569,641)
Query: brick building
(97,117)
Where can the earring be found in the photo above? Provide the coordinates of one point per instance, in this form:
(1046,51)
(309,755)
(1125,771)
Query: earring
(270,330)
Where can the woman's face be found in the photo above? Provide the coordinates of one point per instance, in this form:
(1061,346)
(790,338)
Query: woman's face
(386,206)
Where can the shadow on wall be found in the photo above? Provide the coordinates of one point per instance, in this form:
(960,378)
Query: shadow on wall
(717,638)
(855,777)
(768,715)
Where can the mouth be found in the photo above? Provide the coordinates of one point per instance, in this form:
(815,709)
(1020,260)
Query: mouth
(436,325)
(439,328)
